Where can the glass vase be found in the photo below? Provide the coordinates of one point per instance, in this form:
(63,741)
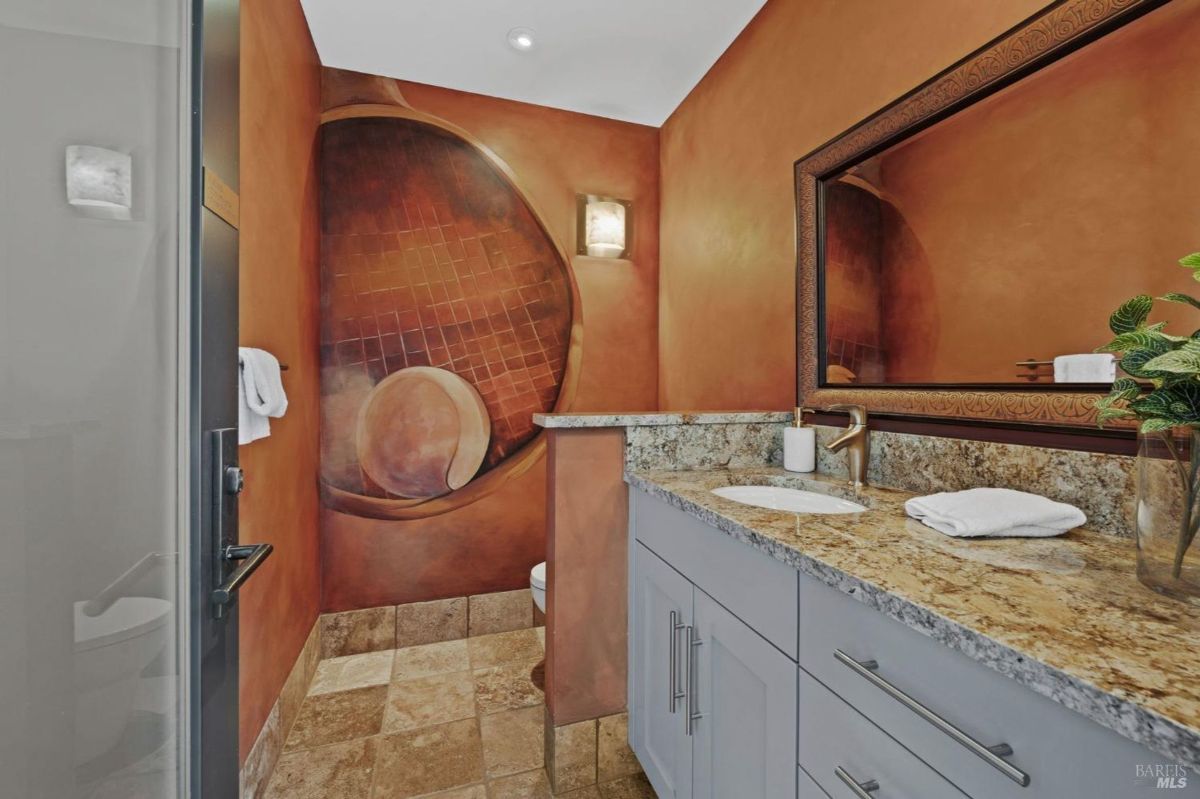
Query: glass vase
(1168,467)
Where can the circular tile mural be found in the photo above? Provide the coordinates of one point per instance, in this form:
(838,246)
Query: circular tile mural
(433,262)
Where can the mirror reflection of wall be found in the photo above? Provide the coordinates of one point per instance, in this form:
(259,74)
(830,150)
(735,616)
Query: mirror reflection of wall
(1007,233)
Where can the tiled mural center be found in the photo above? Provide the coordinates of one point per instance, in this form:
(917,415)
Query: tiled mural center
(430,259)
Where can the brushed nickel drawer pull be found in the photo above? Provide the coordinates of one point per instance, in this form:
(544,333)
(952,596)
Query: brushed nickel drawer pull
(673,657)
(693,715)
(992,755)
(862,790)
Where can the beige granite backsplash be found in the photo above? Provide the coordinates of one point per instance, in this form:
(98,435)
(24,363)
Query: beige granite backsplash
(1102,485)
(704,446)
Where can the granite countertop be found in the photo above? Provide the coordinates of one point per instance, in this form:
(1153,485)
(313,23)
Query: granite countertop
(1064,616)
(653,418)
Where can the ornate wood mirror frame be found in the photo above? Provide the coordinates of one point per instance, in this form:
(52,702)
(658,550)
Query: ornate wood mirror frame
(1042,39)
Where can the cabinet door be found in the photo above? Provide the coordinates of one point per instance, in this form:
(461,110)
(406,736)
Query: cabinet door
(744,739)
(661,610)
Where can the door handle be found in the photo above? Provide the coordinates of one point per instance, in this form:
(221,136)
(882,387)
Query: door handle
(251,557)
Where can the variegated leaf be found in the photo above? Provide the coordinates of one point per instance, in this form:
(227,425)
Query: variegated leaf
(1134,361)
(1183,299)
(1131,315)
(1124,388)
(1185,401)
(1179,403)
(1185,360)
(1156,403)
(1141,338)
(1109,414)
(1158,424)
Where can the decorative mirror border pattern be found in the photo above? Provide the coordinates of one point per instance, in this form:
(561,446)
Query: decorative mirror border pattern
(1051,34)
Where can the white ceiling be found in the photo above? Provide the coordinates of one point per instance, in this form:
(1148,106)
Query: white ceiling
(627,59)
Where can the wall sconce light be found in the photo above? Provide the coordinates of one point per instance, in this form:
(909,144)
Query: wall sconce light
(100,181)
(602,229)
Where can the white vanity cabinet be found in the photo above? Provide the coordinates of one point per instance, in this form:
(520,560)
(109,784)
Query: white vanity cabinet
(712,702)
(660,614)
(750,680)
(744,728)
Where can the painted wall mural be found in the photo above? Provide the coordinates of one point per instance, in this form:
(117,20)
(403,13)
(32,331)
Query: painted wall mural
(446,320)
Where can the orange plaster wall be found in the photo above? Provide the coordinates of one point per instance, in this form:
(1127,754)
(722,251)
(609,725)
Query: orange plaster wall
(1055,200)
(586,580)
(279,239)
(555,155)
(801,73)
(491,544)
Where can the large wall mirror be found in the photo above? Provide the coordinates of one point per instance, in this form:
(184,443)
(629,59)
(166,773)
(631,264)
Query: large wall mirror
(957,243)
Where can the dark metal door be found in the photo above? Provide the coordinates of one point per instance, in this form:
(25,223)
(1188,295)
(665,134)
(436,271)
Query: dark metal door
(219,565)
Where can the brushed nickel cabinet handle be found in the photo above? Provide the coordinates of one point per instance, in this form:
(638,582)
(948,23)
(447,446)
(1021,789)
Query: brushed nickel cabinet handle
(992,755)
(862,790)
(693,715)
(673,660)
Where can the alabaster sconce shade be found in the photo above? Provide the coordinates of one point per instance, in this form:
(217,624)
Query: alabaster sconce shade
(603,227)
(100,180)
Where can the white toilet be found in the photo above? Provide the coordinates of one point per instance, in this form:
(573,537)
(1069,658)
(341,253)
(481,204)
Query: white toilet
(537,584)
(111,650)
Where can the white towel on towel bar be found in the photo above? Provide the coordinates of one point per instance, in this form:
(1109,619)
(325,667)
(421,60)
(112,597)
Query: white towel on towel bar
(1091,367)
(260,393)
(995,512)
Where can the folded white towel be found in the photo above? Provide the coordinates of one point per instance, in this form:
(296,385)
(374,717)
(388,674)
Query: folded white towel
(1092,367)
(260,393)
(994,512)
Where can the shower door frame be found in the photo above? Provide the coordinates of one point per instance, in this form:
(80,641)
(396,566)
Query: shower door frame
(209,415)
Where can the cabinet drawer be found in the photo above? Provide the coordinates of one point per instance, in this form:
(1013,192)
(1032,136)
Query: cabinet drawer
(1063,753)
(834,736)
(758,589)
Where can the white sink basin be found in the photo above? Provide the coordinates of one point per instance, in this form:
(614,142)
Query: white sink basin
(789,499)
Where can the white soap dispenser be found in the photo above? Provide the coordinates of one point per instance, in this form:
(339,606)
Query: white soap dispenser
(800,446)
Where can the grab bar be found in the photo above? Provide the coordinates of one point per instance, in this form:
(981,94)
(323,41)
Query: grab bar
(118,587)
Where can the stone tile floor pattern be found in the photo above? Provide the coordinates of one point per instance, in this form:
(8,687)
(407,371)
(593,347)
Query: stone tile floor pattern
(453,720)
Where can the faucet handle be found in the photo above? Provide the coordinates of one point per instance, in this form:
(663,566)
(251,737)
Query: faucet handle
(858,413)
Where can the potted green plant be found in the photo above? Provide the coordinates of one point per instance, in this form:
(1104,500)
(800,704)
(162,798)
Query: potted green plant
(1161,391)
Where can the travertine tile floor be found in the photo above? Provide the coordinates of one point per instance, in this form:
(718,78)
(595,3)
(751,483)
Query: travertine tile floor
(455,720)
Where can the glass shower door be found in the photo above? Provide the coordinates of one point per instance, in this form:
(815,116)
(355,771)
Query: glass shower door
(93,609)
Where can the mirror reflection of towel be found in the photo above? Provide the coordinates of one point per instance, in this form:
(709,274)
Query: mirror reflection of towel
(260,393)
(1098,367)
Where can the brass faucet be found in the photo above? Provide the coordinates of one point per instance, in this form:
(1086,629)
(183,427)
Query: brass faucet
(854,441)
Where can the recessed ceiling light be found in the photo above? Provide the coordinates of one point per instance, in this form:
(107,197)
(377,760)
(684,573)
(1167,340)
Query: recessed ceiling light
(521,39)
